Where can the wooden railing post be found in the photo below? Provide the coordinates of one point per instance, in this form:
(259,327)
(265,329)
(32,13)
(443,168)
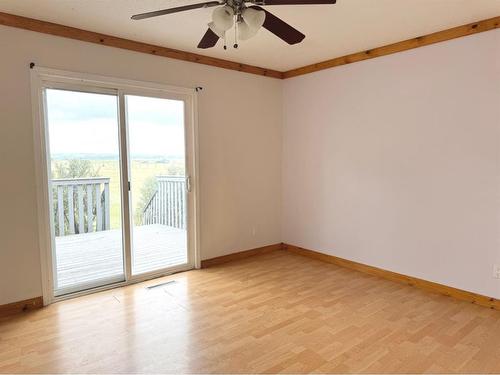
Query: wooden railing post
(60,210)
(81,215)
(90,210)
(71,210)
(98,208)
(107,206)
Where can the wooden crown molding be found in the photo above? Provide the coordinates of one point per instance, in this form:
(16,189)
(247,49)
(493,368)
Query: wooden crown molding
(11,20)
(44,27)
(429,286)
(421,41)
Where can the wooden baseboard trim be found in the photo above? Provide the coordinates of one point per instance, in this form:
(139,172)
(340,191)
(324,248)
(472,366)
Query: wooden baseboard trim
(21,306)
(240,255)
(430,286)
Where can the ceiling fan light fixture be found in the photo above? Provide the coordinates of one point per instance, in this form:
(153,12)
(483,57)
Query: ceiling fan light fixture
(245,31)
(253,18)
(247,19)
(223,18)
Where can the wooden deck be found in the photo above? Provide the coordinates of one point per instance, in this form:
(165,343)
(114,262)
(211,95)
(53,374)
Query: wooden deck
(90,257)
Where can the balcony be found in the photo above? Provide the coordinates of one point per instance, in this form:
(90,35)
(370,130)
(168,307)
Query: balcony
(89,250)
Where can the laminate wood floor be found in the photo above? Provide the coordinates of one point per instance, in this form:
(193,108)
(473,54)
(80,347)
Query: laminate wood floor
(277,312)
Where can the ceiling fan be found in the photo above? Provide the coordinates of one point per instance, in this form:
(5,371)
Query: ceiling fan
(247,17)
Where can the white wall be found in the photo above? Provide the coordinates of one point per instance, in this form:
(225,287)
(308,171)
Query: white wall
(394,162)
(240,121)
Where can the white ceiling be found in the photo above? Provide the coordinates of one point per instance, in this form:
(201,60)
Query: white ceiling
(331,30)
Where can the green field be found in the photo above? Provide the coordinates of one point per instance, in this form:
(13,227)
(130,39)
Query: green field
(143,173)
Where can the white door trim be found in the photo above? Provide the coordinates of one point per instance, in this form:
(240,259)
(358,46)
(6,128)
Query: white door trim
(42,78)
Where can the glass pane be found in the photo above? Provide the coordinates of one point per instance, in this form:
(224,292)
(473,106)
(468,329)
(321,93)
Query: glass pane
(86,194)
(158,184)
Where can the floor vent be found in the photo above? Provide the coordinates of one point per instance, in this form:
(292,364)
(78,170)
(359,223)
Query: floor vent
(162,284)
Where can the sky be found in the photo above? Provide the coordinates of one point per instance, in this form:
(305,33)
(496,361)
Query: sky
(87,123)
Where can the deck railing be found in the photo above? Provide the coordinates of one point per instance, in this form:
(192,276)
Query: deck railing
(81,205)
(167,206)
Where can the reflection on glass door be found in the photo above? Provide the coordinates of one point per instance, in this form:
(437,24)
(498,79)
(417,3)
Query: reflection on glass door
(85,189)
(158,183)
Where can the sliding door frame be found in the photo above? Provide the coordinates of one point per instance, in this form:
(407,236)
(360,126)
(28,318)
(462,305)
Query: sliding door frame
(43,78)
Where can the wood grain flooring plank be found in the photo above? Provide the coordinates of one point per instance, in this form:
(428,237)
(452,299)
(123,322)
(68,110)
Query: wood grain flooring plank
(275,312)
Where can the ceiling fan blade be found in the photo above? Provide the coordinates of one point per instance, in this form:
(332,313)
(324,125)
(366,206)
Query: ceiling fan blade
(209,40)
(280,28)
(293,2)
(157,13)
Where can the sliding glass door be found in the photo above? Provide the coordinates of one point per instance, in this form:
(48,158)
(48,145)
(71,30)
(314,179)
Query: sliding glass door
(158,182)
(85,191)
(118,185)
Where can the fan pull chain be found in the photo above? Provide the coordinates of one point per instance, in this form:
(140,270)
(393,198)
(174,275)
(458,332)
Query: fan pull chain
(224,39)
(236,34)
